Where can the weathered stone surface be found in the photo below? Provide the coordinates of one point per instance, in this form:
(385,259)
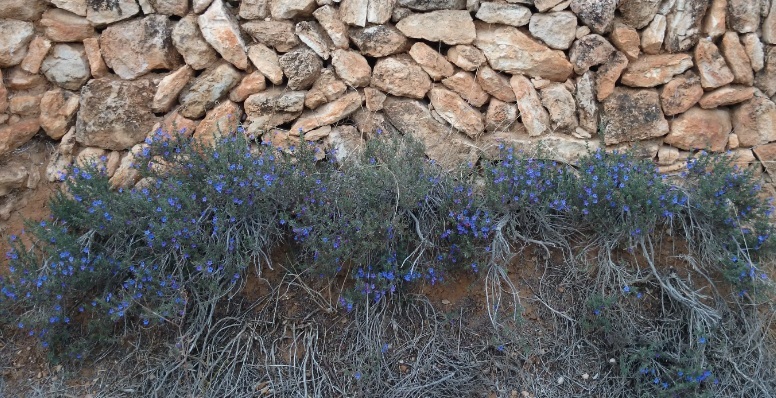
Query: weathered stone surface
(445,147)
(654,70)
(94,55)
(374,99)
(220,29)
(346,142)
(683,24)
(767,156)
(753,122)
(174,123)
(352,68)
(57,111)
(700,129)
(134,48)
(454,110)
(330,113)
(638,13)
(712,68)
(431,61)
(22,10)
(171,7)
(632,115)
(66,66)
(754,51)
(653,36)
(608,74)
(127,174)
(14,135)
(115,114)
(556,29)
(626,39)
(590,51)
(353,12)
(681,94)
(251,83)
(431,5)
(16,36)
(510,50)
(743,16)
(468,58)
(3,94)
(267,62)
(188,40)
(101,12)
(561,107)
(207,89)
(448,26)
(737,60)
(464,84)
(400,13)
(379,11)
(545,5)
(272,108)
(17,79)
(254,9)
(379,40)
(399,75)
(276,34)
(329,19)
(171,85)
(495,84)
(25,105)
(302,66)
(667,155)
(220,122)
(36,52)
(12,176)
(597,14)
(326,88)
(725,96)
(199,6)
(714,23)
(289,9)
(766,77)
(313,35)
(769,25)
(63,26)
(501,116)
(587,106)
(507,14)
(535,118)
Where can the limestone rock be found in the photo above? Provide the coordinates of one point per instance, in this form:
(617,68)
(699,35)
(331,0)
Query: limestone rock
(345,142)
(714,23)
(4,94)
(254,9)
(653,36)
(220,29)
(448,26)
(188,40)
(769,26)
(561,107)
(220,122)
(609,73)
(767,156)
(753,122)
(290,9)
(326,88)
(587,106)
(354,12)
(654,70)
(171,7)
(700,129)
(379,11)
(16,36)
(302,66)
(272,108)
(507,14)
(267,62)
(102,12)
(431,61)
(22,10)
(399,75)
(199,6)
(590,51)
(556,29)
(93,54)
(374,99)
(25,105)
(626,39)
(683,24)
(115,114)
(638,13)
(18,79)
(454,110)
(431,5)
(12,176)
(57,111)
(495,84)
(14,135)
(379,40)
(545,5)
(207,89)
(766,77)
(680,94)
(754,51)
(251,83)
(512,51)
(66,66)
(597,14)
(136,47)
(313,35)
(464,84)
(737,60)
(276,34)
(535,118)
(330,21)
(743,16)
(171,85)
(727,95)
(501,116)
(330,113)
(174,123)
(468,58)
(712,68)
(632,115)
(36,52)
(64,26)
(352,68)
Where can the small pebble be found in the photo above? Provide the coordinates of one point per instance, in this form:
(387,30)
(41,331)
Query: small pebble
(561,380)
(585,376)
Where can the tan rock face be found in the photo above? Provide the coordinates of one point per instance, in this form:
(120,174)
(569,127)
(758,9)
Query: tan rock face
(171,85)
(535,118)
(25,105)
(681,94)
(556,29)
(352,68)
(379,40)
(767,156)
(354,12)
(683,24)
(271,108)
(632,115)
(700,129)
(39,47)
(609,73)
(22,10)
(115,114)
(626,39)
(329,113)
(754,51)
(171,7)
(769,26)
(220,29)
(596,14)
(188,40)
(66,66)
(330,21)
(93,54)
(464,84)
(14,135)
(134,48)
(16,36)
(302,66)
(289,9)
(712,68)
(507,14)
(561,107)
(495,84)
(448,26)
(652,37)
(735,57)
(276,34)
(63,26)
(510,50)
(501,116)
(715,21)
(431,61)
(454,110)
(220,121)
(587,105)
(654,70)
(57,111)
(743,16)
(638,13)
(590,51)
(174,123)
(18,79)
(753,122)
(326,89)
(379,11)
(374,99)
(400,76)
(101,12)
(725,96)
(312,34)
(207,89)
(468,58)
(267,62)
(3,95)
(766,77)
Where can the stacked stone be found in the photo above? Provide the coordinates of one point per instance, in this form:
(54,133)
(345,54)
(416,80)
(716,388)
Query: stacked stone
(461,75)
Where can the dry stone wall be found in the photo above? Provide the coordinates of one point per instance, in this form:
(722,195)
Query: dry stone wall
(664,76)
